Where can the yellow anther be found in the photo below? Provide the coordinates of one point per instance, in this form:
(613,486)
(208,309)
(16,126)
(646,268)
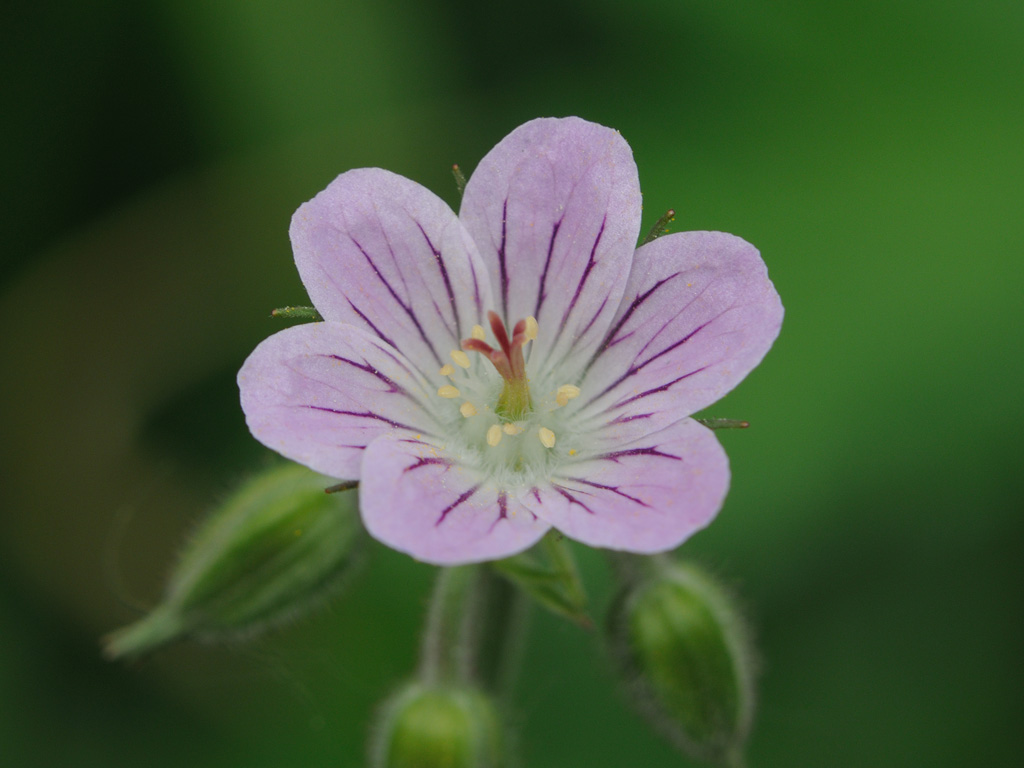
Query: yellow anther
(467,409)
(448,391)
(493,435)
(478,333)
(547,437)
(447,370)
(461,358)
(569,391)
(511,429)
(565,393)
(531,328)
(572,451)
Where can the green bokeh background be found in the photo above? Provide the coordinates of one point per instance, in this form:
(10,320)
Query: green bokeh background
(873,151)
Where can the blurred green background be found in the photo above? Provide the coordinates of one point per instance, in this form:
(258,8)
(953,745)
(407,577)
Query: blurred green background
(873,151)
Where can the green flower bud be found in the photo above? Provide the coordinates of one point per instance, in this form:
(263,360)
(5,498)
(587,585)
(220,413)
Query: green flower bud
(278,547)
(687,655)
(437,726)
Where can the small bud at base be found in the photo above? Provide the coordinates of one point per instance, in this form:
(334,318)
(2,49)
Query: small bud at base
(437,726)
(684,649)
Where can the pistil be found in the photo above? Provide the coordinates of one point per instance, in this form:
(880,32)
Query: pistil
(514,402)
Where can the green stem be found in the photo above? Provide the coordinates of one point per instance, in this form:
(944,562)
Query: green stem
(500,632)
(474,630)
(444,652)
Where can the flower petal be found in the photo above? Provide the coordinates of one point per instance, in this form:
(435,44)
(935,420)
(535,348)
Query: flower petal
(555,211)
(320,393)
(379,251)
(698,315)
(647,496)
(417,499)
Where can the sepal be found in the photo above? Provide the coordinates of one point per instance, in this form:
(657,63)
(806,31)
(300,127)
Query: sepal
(277,548)
(548,574)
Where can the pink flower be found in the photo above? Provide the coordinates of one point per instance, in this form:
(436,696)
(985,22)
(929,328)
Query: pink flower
(517,367)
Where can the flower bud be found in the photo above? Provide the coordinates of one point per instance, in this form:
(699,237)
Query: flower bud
(687,656)
(437,726)
(278,547)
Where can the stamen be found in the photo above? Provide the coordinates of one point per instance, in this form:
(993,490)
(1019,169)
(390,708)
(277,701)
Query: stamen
(547,437)
(565,393)
(531,328)
(448,392)
(478,333)
(569,391)
(467,409)
(461,358)
(511,429)
(447,370)
(493,435)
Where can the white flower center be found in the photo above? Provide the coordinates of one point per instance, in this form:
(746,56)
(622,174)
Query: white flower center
(502,417)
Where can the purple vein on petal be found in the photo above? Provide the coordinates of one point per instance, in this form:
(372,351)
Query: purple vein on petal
(398,361)
(655,390)
(612,488)
(591,263)
(572,499)
(634,369)
(609,339)
(393,387)
(447,281)
(673,319)
(394,295)
(648,451)
(541,293)
(593,320)
(476,290)
(624,419)
(463,498)
(366,320)
(502,510)
(424,461)
(363,415)
(453,332)
(502,265)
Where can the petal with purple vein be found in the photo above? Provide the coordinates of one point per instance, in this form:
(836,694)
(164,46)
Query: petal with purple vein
(417,499)
(379,251)
(648,496)
(555,210)
(319,393)
(698,315)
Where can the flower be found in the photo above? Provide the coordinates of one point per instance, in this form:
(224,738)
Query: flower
(517,367)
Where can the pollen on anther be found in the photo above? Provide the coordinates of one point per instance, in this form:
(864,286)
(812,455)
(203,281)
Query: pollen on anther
(461,358)
(565,393)
(531,328)
(547,437)
(511,429)
(448,391)
(478,333)
(467,409)
(447,370)
(493,435)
